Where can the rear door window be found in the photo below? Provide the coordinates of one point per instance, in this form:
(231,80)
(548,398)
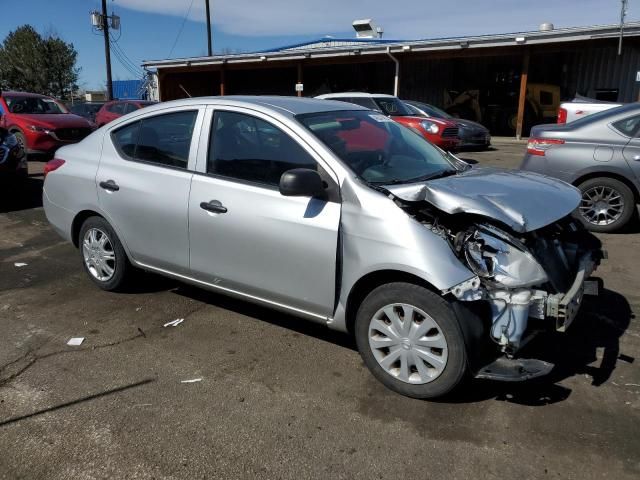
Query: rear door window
(161,139)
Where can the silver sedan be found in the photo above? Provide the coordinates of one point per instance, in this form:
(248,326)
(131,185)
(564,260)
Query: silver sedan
(338,215)
(600,154)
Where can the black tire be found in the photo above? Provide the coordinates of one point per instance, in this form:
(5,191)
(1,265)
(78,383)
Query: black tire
(21,140)
(121,266)
(440,312)
(626,195)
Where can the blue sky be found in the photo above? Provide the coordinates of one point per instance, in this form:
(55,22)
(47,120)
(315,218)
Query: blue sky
(150,27)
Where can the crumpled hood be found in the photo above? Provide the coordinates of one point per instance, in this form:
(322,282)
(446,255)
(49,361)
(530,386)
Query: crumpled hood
(524,201)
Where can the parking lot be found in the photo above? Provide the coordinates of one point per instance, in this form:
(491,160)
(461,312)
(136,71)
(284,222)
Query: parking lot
(274,397)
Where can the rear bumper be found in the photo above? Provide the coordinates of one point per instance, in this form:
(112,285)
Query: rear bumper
(59,218)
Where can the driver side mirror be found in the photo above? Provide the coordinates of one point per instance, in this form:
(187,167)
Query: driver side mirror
(302,182)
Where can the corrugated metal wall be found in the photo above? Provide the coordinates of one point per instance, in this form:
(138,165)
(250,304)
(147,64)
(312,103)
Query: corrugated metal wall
(127,89)
(598,66)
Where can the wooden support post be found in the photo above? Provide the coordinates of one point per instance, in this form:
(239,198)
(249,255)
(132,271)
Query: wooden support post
(299,77)
(222,79)
(523,94)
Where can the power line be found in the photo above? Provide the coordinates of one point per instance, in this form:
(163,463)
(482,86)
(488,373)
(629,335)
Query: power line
(184,20)
(133,71)
(125,58)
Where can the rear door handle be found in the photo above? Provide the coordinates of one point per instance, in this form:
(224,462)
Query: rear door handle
(636,157)
(110,186)
(213,206)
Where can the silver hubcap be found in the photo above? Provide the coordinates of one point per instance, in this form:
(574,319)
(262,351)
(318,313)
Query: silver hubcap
(98,253)
(601,205)
(407,343)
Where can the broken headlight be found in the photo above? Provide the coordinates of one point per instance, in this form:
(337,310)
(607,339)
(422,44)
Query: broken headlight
(496,256)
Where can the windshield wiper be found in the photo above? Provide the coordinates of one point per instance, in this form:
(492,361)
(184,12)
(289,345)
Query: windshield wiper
(432,176)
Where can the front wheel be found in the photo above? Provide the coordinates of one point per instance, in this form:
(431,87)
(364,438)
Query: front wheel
(411,341)
(607,204)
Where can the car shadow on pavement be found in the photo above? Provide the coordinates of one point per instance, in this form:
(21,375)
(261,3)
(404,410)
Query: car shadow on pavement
(269,315)
(21,196)
(599,326)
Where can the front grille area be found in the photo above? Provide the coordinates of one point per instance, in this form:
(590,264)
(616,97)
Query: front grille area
(72,134)
(450,132)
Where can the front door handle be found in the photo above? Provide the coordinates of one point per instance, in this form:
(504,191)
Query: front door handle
(636,157)
(213,206)
(110,186)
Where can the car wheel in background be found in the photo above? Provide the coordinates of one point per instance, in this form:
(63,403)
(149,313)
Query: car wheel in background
(102,254)
(410,340)
(607,204)
(21,140)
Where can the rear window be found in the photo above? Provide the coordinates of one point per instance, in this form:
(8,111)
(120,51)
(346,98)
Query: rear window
(628,126)
(161,139)
(392,107)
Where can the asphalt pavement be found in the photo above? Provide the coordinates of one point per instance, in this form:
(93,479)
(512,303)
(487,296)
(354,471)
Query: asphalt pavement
(239,391)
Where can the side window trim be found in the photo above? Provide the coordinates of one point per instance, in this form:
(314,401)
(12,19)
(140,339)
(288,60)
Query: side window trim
(194,146)
(207,126)
(207,131)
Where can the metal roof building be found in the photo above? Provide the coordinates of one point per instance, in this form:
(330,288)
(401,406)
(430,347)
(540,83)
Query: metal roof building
(524,74)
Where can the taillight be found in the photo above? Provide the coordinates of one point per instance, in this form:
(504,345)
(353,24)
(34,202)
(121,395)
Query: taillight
(538,146)
(562,115)
(52,165)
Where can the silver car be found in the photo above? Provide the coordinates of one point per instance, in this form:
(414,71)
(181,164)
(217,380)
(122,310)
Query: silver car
(338,215)
(600,154)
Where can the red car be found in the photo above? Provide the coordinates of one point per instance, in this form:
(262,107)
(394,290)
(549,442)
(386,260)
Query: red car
(117,108)
(440,132)
(41,124)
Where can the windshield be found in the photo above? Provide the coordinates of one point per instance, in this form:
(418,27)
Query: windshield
(392,106)
(377,149)
(431,110)
(33,105)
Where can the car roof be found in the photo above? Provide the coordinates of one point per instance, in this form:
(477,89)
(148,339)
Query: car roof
(24,94)
(288,106)
(354,94)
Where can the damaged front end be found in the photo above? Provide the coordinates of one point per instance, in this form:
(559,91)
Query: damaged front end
(524,281)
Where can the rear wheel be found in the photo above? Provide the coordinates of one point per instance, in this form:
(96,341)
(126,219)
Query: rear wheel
(607,204)
(103,256)
(410,340)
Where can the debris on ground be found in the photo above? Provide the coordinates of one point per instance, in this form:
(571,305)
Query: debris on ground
(75,341)
(174,323)
(20,264)
(193,380)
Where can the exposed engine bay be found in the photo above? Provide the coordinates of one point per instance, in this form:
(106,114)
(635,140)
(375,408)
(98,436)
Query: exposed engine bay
(540,274)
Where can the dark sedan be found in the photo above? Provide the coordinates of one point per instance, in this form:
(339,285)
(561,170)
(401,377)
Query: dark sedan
(472,134)
(600,154)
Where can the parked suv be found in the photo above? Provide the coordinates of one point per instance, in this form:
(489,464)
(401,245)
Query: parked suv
(440,132)
(13,161)
(334,213)
(117,108)
(41,124)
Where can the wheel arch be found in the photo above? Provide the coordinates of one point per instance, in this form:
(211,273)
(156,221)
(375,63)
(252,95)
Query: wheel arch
(78,220)
(612,175)
(372,280)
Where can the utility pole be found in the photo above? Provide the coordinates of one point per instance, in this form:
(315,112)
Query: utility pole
(209,49)
(100,22)
(623,14)
(107,49)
